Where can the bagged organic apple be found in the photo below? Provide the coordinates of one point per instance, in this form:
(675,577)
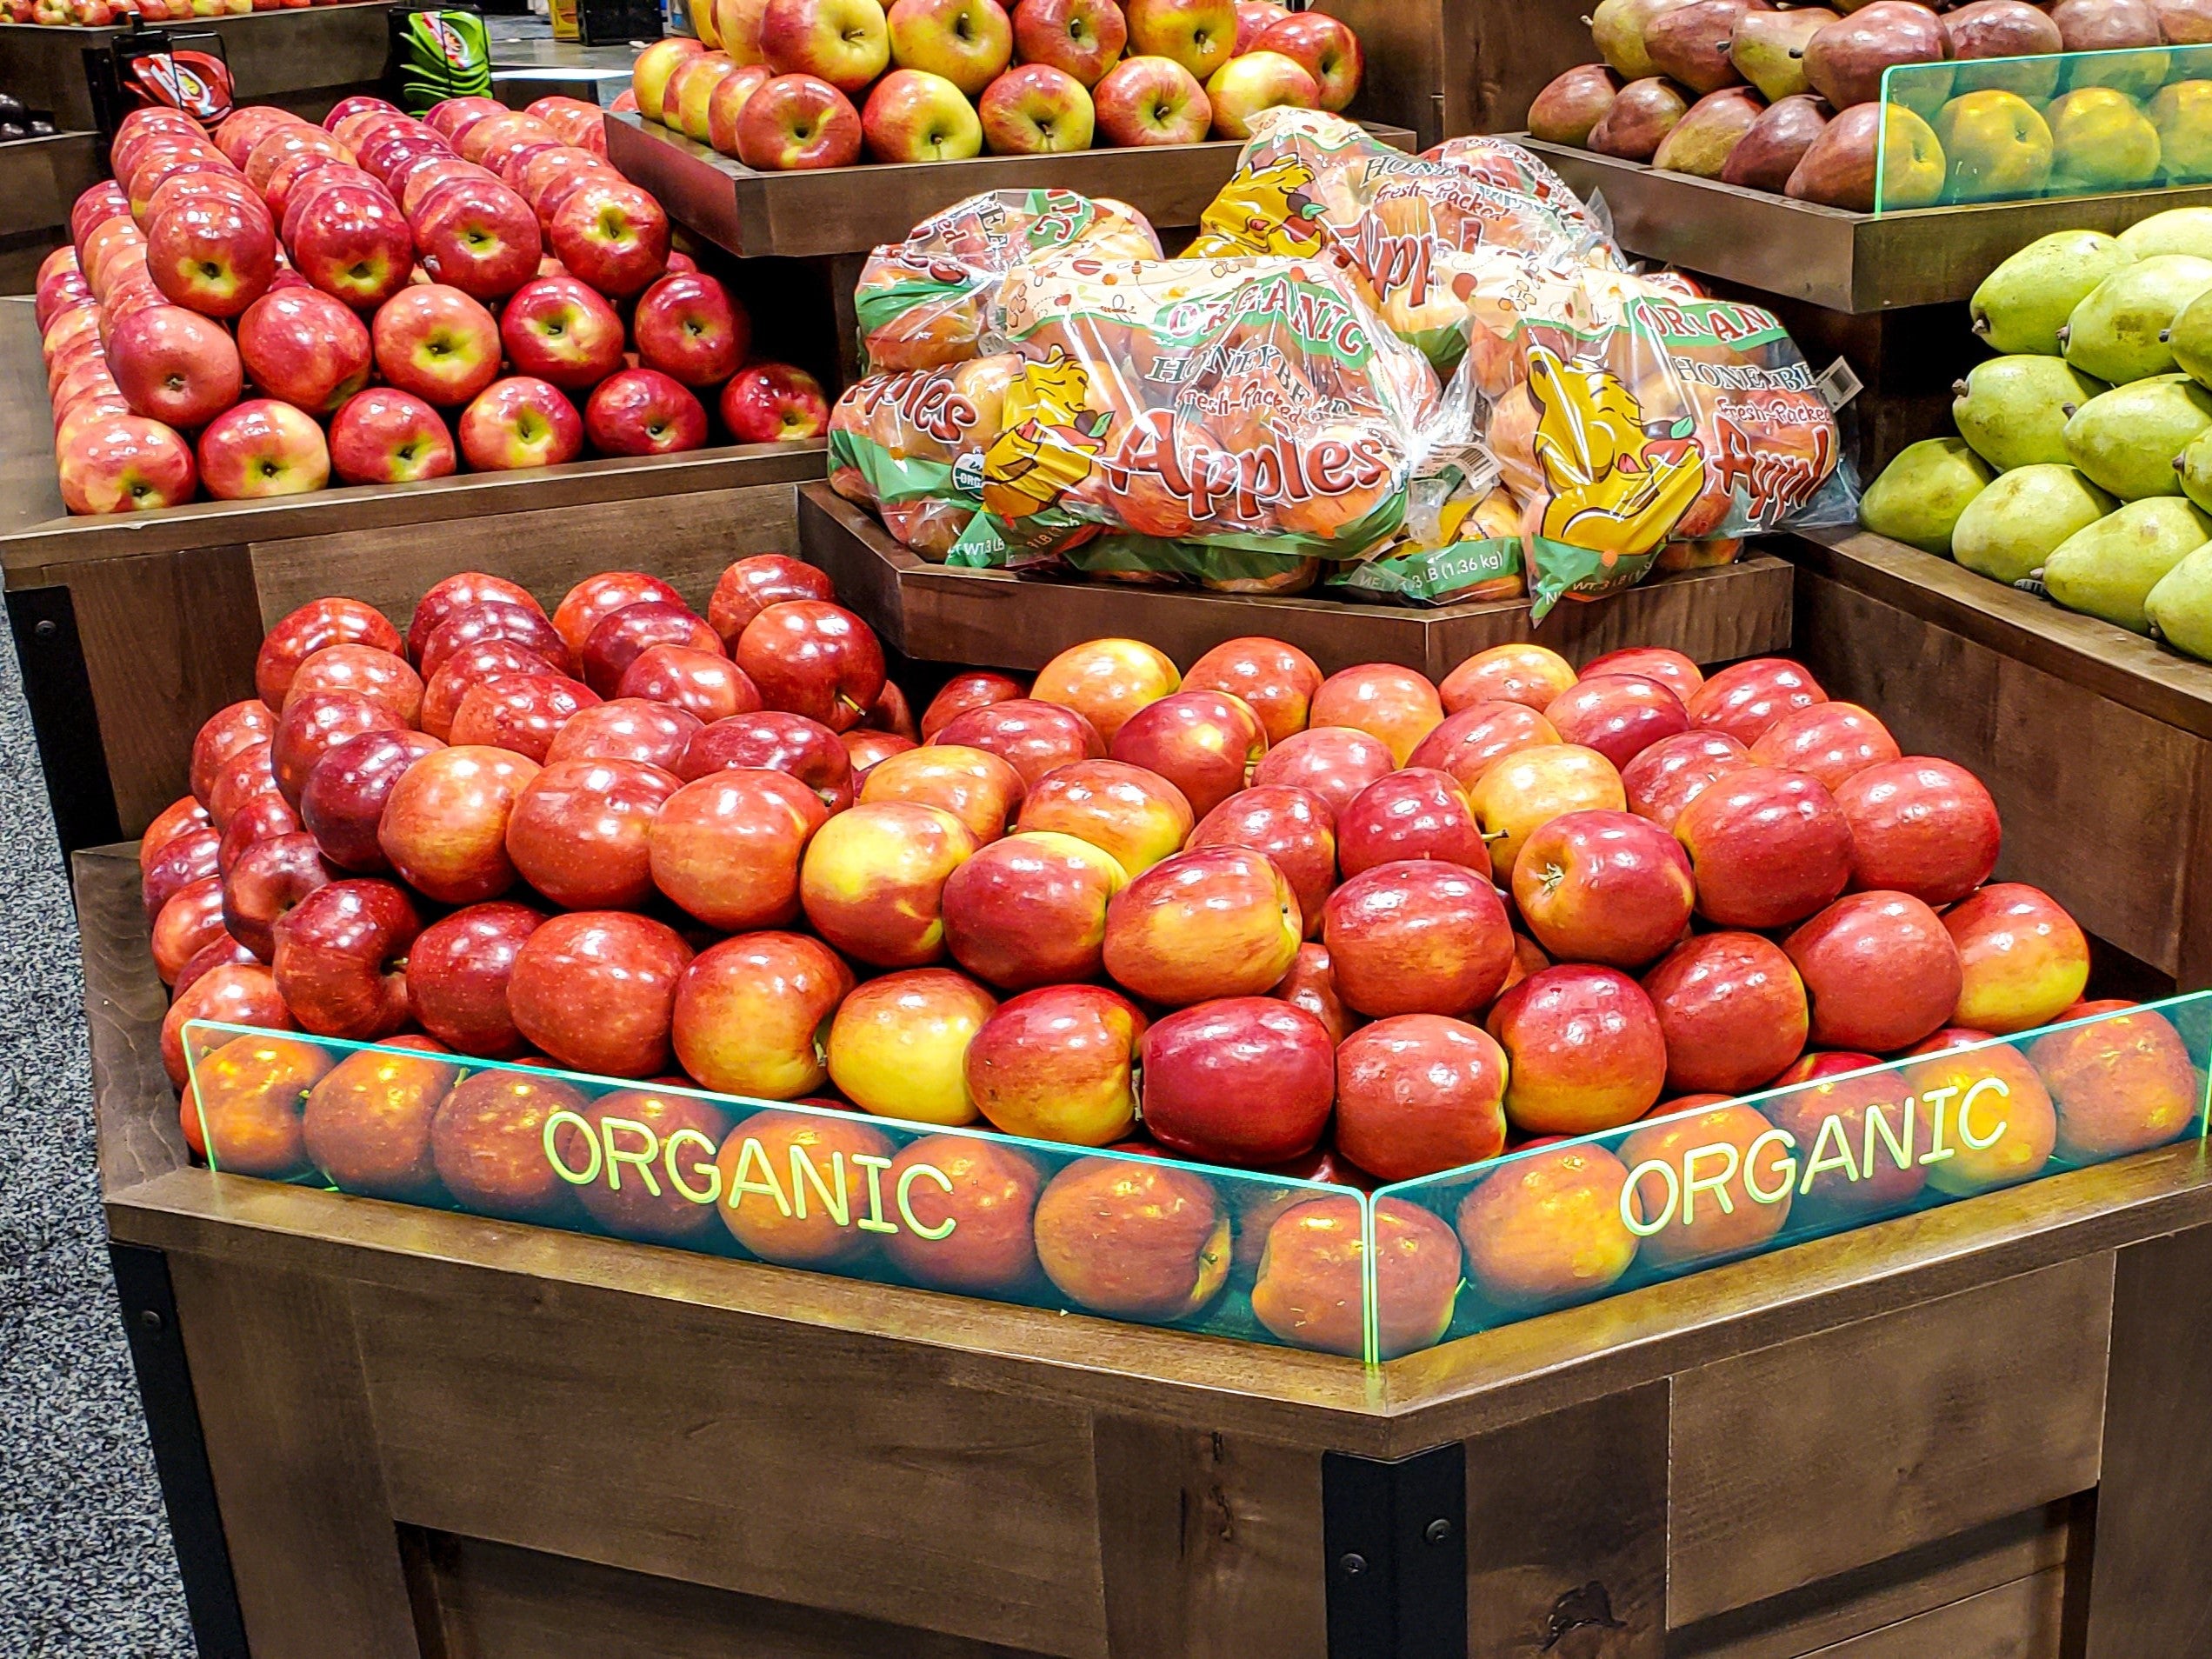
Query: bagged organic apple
(920,302)
(1454,247)
(1668,420)
(1255,411)
(1481,560)
(896,441)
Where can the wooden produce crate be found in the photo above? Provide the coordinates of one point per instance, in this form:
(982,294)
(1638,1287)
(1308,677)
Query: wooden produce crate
(1447,67)
(40,181)
(2096,744)
(387,1432)
(850,209)
(133,629)
(303,59)
(939,613)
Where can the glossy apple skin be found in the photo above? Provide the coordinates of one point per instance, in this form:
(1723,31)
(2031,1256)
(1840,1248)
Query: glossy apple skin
(456,978)
(1922,826)
(1291,826)
(1545,1231)
(523,713)
(1058,1064)
(1309,1288)
(229,728)
(1242,1080)
(257,819)
(382,676)
(488,619)
(444,827)
(1586,1048)
(778,741)
(1530,674)
(1744,700)
(580,832)
(1276,681)
(707,683)
(774,402)
(461,672)
(180,817)
(1136,815)
(187,858)
(727,848)
(977,788)
(1335,762)
(246,1099)
(304,348)
(677,1135)
(1881,970)
(1620,715)
(268,879)
(1418,938)
(1769,848)
(2121,1085)
(1106,681)
(1604,887)
(238,780)
(812,659)
(1392,704)
(1134,1240)
(519,422)
(2025,961)
(597,597)
(873,880)
(596,990)
(1678,673)
(1468,743)
(1418,1094)
(339,958)
(313,724)
(231,993)
(988,1192)
(1734,1012)
(752,585)
(1831,741)
(1030,910)
(624,636)
(966,692)
(307,630)
(366,1123)
(1031,736)
(2022,1135)
(751,1013)
(1665,777)
(1413,813)
(1310,985)
(488,1146)
(1528,788)
(1872,1182)
(1709,1233)
(627,728)
(1217,922)
(764,1148)
(898,1045)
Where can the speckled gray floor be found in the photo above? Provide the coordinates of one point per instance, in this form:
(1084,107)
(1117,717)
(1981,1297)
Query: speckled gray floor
(86,1570)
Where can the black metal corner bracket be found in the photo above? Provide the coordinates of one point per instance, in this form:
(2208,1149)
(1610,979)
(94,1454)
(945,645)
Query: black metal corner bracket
(1395,1535)
(180,1453)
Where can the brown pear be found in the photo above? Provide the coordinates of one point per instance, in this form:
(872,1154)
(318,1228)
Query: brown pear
(1769,153)
(1769,49)
(2107,25)
(1845,60)
(1642,117)
(1564,111)
(2004,28)
(1702,141)
(1618,27)
(1691,46)
(2185,22)
(1838,168)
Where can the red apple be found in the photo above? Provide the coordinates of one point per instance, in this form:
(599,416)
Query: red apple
(238,780)
(305,348)
(1031,909)
(1291,826)
(1150,100)
(1419,1094)
(449,595)
(1415,813)
(580,832)
(353,244)
(435,342)
(1081,38)
(1242,1080)
(1058,1064)
(1994,1113)
(980,790)
(1604,887)
(1664,778)
(687,326)
(1035,737)
(1217,922)
(230,993)
(727,848)
(1468,743)
(1880,969)
(462,671)
(269,878)
(522,623)
(642,411)
(520,421)
(774,402)
(184,859)
(780,742)
(1385,701)
(1526,674)
(596,990)
(444,827)
(343,800)
(1743,701)
(1620,715)
(382,435)
(1710,1184)
(1830,741)
(798,121)
(187,923)
(1922,826)
(1136,815)
(316,722)
(181,817)
(175,365)
(1335,762)
(2023,959)
(977,689)
(1769,848)
(259,819)
(1586,1047)
(752,585)
(479,237)
(1134,1239)
(1422,937)
(339,959)
(244,1107)
(122,463)
(562,333)
(2121,1084)
(706,683)
(456,978)
(1854,1138)
(1204,742)
(624,636)
(873,881)
(750,1012)
(1734,1012)
(522,712)
(627,728)
(1035,109)
(613,235)
(263,448)
(212,254)
(1312,985)
(1325,49)
(488,1146)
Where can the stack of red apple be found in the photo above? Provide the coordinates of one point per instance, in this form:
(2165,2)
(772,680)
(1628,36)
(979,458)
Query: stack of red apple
(108,13)
(802,84)
(305,261)
(1355,927)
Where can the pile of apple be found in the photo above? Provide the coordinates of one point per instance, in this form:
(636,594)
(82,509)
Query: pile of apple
(110,13)
(802,84)
(307,262)
(1352,927)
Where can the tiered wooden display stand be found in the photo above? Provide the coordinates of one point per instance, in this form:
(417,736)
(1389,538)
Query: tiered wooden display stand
(40,181)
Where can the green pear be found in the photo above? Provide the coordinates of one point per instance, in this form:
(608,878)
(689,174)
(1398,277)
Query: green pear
(2008,530)
(2126,440)
(2177,230)
(1617,26)
(1920,495)
(2118,333)
(2195,466)
(2191,339)
(1767,49)
(2014,409)
(2024,303)
(2180,607)
(2108,570)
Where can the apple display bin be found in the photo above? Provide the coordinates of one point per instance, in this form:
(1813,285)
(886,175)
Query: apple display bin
(40,180)
(1886,293)
(1983,1428)
(1447,67)
(2096,744)
(305,58)
(946,613)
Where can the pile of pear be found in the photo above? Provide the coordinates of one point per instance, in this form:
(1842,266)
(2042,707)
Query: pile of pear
(2082,466)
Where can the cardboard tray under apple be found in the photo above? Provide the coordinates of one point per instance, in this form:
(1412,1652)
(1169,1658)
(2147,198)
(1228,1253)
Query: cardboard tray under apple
(1827,257)
(941,614)
(850,209)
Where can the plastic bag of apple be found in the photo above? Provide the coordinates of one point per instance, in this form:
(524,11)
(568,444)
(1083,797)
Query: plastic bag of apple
(479,287)
(1221,948)
(789,85)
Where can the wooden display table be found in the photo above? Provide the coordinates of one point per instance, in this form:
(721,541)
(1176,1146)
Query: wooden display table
(941,614)
(2096,744)
(387,1432)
